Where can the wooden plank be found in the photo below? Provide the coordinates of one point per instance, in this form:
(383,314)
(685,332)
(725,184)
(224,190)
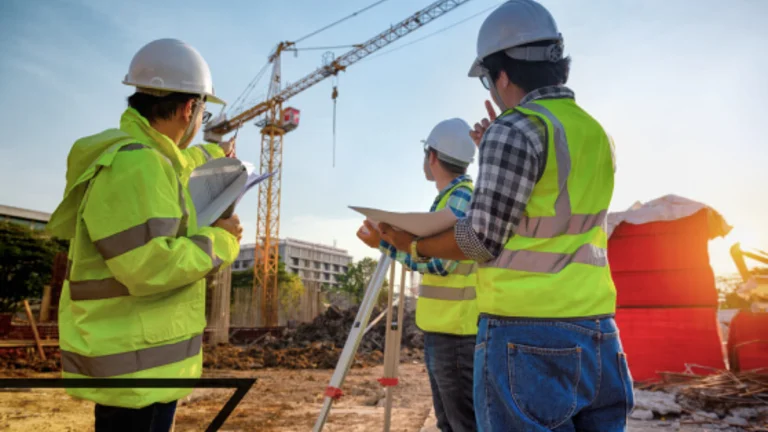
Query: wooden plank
(220,314)
(45,306)
(21,343)
(34,330)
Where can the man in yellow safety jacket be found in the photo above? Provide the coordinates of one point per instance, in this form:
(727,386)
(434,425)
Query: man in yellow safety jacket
(133,303)
(548,354)
(446,310)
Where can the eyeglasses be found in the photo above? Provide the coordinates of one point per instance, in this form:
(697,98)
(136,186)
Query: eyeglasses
(206,116)
(485,79)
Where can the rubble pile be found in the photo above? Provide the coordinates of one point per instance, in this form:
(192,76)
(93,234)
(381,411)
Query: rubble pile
(334,325)
(723,401)
(27,358)
(316,345)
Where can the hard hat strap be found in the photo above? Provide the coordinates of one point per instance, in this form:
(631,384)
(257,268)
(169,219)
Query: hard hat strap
(495,93)
(551,53)
(195,112)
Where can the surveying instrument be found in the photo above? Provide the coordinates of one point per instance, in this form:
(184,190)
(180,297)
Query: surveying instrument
(360,327)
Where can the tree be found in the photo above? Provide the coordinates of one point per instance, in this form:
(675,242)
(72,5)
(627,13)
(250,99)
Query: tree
(289,286)
(26,261)
(355,281)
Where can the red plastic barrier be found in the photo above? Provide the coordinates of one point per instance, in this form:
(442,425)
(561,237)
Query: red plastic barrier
(668,245)
(666,339)
(663,263)
(679,288)
(748,341)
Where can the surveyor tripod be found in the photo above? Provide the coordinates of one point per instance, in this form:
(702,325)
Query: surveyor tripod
(392,340)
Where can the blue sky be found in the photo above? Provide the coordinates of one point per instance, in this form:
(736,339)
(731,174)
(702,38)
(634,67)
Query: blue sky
(679,84)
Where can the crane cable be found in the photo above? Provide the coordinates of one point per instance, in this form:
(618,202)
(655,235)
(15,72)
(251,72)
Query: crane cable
(334,95)
(339,21)
(248,89)
(431,34)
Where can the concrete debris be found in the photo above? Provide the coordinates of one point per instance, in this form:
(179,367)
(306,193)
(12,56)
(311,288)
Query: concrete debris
(745,413)
(736,421)
(642,414)
(658,402)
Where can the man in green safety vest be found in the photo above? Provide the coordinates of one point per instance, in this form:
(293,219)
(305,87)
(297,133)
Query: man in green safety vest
(548,354)
(133,303)
(446,309)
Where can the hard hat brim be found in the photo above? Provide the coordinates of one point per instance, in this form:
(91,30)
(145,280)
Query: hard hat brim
(476,70)
(214,99)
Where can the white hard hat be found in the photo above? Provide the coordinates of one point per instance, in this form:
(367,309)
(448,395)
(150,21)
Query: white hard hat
(516,23)
(450,139)
(170,65)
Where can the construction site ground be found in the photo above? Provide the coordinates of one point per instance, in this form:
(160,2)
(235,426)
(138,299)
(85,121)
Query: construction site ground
(281,400)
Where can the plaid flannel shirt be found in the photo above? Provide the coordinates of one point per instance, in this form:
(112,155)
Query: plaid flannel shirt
(458,202)
(513,153)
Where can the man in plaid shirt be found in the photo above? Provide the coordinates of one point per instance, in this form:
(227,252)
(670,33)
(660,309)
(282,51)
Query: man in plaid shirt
(446,309)
(548,354)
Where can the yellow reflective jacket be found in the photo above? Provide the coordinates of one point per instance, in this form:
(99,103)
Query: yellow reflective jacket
(133,303)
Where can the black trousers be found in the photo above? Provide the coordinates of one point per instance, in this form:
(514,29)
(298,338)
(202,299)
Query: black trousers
(157,417)
(449,361)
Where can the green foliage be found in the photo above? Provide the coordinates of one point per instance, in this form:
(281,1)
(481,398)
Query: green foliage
(289,286)
(290,292)
(355,280)
(244,278)
(26,261)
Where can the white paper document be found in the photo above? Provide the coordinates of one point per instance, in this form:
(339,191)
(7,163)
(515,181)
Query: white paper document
(422,224)
(217,186)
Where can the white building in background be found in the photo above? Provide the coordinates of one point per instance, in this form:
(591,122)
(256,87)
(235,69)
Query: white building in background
(313,262)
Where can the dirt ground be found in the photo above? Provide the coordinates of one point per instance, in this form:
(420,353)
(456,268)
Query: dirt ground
(280,400)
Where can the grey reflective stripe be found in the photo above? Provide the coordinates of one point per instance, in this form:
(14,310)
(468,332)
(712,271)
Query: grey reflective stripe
(136,236)
(130,362)
(207,155)
(464,269)
(206,245)
(443,293)
(98,289)
(551,226)
(131,147)
(182,231)
(548,262)
(564,222)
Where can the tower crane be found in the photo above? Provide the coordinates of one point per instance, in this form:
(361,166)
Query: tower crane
(276,122)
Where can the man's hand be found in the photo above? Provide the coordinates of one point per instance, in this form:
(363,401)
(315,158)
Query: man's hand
(228,147)
(481,127)
(401,240)
(231,225)
(369,234)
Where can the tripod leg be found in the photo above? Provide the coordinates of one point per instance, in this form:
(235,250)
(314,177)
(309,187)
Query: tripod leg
(389,348)
(333,391)
(393,345)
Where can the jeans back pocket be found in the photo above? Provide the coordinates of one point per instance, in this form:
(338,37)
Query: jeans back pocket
(543,382)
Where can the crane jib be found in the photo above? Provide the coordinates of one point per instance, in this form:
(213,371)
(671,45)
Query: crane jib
(395,32)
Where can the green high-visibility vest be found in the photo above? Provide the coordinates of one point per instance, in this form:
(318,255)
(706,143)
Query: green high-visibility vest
(133,303)
(448,304)
(555,265)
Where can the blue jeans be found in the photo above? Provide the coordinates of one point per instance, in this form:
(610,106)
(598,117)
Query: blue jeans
(449,366)
(542,375)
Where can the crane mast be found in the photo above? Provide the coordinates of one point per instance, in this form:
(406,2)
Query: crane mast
(274,127)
